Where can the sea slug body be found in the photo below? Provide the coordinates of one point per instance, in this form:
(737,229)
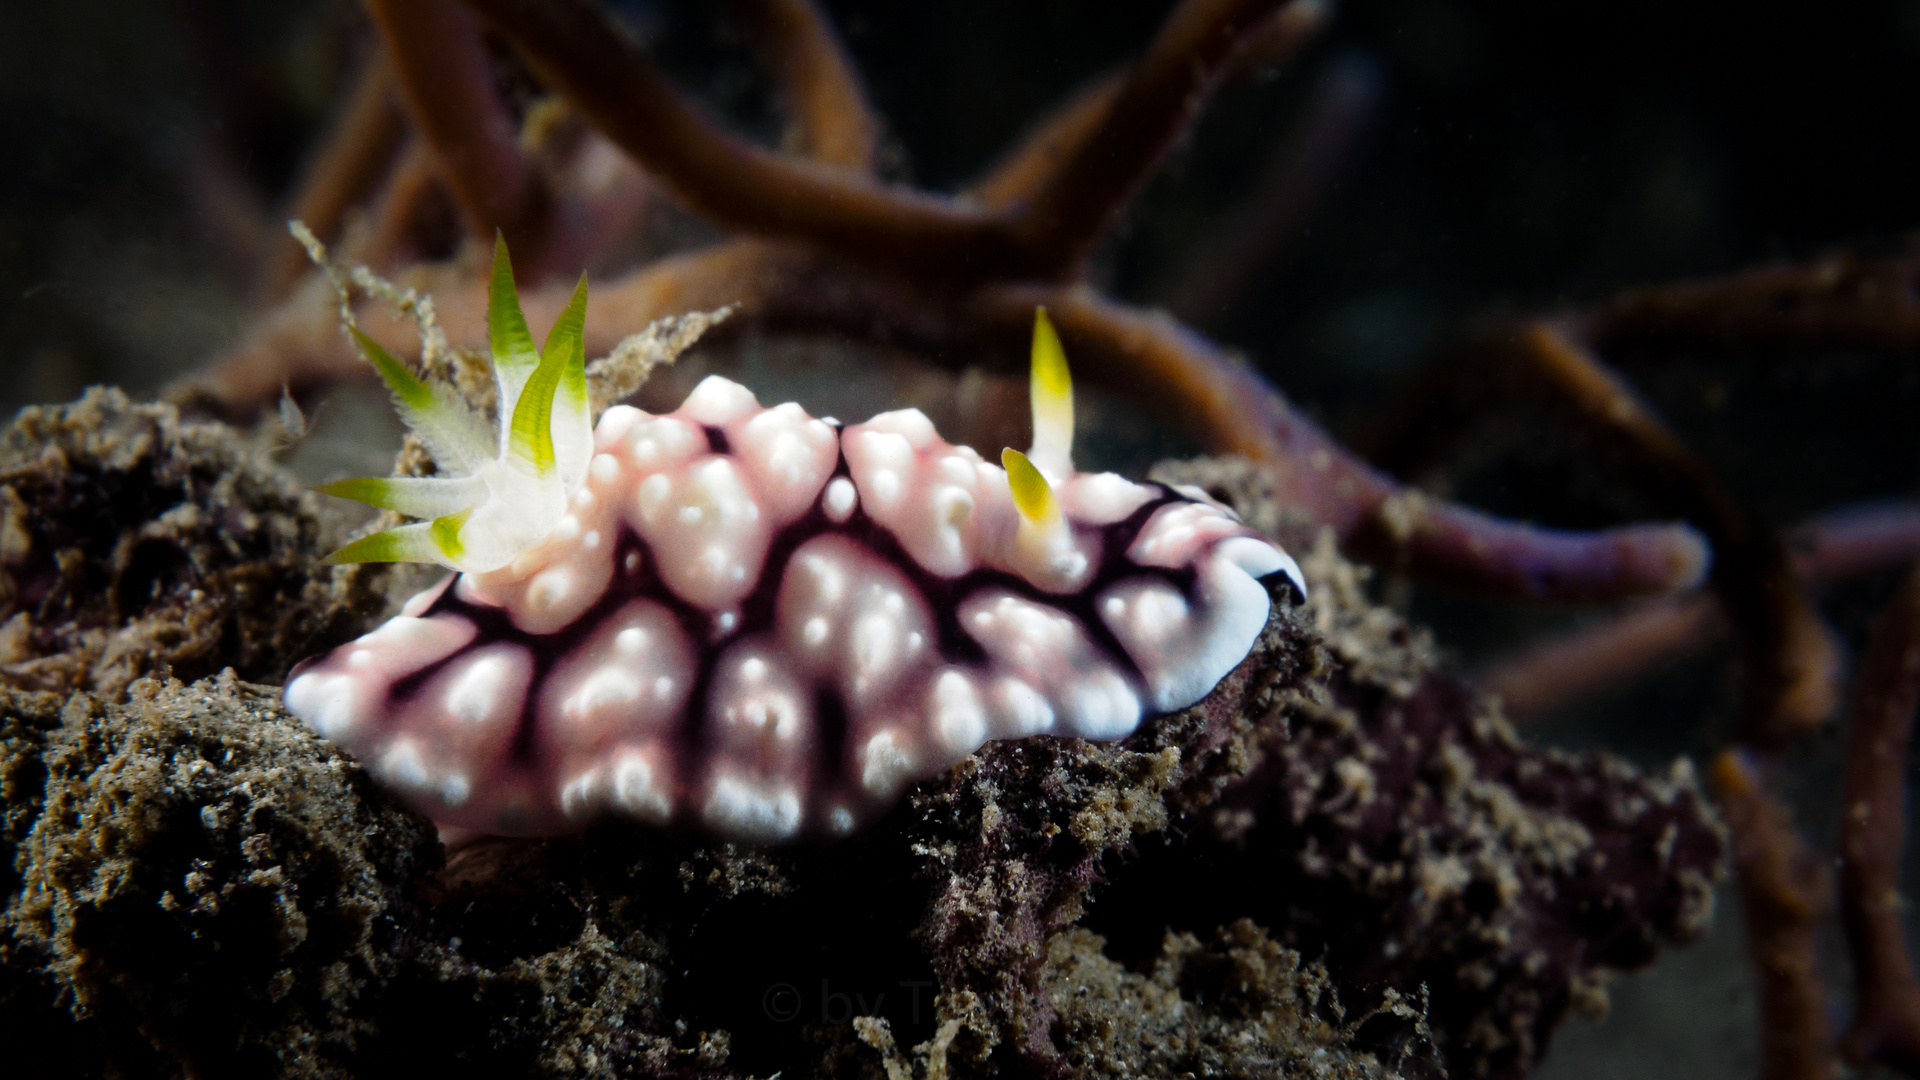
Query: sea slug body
(753,621)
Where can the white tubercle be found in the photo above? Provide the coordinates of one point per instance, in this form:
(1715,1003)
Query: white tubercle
(840,500)
(857,624)
(919,489)
(718,402)
(1102,498)
(706,529)
(611,707)
(1045,649)
(1180,533)
(787,455)
(341,697)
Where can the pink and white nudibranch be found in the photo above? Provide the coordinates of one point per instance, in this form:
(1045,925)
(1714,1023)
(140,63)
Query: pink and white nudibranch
(753,621)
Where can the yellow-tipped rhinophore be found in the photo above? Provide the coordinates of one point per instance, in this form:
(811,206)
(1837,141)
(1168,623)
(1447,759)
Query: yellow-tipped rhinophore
(1051,389)
(1031,492)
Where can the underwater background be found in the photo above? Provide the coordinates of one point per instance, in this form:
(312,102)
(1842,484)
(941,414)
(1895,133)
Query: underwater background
(1438,164)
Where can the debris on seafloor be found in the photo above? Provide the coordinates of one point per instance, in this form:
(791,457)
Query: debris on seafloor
(1338,864)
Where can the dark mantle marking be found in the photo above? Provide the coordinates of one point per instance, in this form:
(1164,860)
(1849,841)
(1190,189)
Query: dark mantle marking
(943,595)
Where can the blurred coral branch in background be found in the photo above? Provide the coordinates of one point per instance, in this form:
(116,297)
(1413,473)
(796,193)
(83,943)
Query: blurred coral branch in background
(1873,836)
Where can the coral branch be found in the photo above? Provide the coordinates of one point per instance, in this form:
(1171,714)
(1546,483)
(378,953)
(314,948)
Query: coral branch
(1873,830)
(580,52)
(1038,155)
(1556,673)
(1837,301)
(1564,670)
(1784,892)
(1283,35)
(1160,99)
(818,83)
(447,80)
(1792,660)
(1856,540)
(352,157)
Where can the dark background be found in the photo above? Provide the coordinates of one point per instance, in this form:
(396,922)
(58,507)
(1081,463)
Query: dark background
(1506,158)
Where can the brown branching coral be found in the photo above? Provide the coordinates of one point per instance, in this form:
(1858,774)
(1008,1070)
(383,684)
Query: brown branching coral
(964,264)
(1873,834)
(1847,543)
(834,124)
(579,52)
(1835,301)
(1761,585)
(448,85)
(1792,663)
(1784,892)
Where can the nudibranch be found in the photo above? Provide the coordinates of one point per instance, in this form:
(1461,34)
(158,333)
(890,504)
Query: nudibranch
(752,621)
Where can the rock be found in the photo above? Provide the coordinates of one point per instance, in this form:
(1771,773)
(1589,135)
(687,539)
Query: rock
(133,542)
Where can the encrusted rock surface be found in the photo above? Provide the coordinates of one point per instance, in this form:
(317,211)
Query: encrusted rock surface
(132,541)
(191,838)
(198,886)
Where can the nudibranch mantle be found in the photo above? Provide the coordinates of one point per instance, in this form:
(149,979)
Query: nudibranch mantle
(765,624)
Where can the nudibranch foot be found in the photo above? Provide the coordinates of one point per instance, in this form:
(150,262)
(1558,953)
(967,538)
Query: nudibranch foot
(765,625)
